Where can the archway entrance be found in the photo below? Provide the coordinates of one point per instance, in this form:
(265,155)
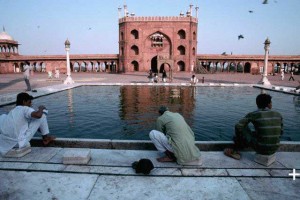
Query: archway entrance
(154,64)
(247,68)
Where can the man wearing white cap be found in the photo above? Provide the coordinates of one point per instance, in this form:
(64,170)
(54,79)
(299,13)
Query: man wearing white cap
(174,138)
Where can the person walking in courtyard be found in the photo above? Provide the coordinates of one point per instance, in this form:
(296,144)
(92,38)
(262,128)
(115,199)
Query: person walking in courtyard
(155,78)
(292,76)
(282,74)
(174,138)
(164,76)
(194,80)
(268,126)
(21,123)
(150,76)
(26,74)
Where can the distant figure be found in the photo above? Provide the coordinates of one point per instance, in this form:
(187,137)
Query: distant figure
(155,78)
(292,76)
(26,74)
(164,76)
(174,138)
(268,129)
(21,123)
(150,76)
(282,74)
(56,73)
(194,80)
(50,75)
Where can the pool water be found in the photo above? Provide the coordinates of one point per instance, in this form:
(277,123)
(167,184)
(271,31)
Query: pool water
(130,112)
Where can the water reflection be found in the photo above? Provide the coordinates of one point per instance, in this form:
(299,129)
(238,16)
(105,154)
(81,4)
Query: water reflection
(70,107)
(296,101)
(141,103)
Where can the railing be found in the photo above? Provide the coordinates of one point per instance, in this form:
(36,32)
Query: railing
(156,18)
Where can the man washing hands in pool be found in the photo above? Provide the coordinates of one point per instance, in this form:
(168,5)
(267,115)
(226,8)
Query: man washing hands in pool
(174,138)
(19,126)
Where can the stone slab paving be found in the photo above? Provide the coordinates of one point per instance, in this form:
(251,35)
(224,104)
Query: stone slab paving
(173,188)
(270,189)
(38,185)
(41,174)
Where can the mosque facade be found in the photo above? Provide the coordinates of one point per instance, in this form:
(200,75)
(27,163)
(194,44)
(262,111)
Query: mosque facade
(156,43)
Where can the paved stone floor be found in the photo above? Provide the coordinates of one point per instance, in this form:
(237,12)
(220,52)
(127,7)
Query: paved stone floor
(41,174)
(108,175)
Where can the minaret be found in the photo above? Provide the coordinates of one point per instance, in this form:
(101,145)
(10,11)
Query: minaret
(196,8)
(125,10)
(191,6)
(119,12)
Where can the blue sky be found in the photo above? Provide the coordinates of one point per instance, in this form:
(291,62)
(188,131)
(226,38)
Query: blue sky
(42,26)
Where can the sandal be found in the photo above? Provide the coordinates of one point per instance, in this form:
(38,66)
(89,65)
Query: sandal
(231,153)
(48,139)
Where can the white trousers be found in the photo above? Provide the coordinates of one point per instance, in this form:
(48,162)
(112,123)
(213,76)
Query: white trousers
(35,125)
(160,141)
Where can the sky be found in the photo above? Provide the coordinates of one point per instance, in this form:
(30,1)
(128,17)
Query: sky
(42,26)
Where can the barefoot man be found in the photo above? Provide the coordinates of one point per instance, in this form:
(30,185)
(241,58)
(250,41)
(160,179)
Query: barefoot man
(21,123)
(174,138)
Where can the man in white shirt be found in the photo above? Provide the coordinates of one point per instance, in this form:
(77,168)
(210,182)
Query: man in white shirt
(21,123)
(26,74)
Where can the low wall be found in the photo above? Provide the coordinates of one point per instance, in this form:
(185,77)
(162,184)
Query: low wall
(145,144)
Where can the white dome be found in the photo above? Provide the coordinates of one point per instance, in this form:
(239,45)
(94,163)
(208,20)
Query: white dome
(5,36)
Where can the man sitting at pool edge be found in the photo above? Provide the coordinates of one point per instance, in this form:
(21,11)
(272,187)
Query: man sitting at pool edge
(19,126)
(268,129)
(174,138)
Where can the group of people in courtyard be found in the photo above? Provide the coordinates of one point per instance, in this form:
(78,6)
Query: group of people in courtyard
(153,78)
(172,136)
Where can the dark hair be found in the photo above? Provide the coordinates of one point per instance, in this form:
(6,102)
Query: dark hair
(162,109)
(263,100)
(23,97)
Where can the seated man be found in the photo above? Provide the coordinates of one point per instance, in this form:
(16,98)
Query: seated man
(268,129)
(21,123)
(174,137)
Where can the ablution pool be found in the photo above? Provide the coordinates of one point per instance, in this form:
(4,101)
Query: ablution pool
(130,112)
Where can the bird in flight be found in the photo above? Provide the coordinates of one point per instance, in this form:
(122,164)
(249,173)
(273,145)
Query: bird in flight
(240,37)
(265,2)
(250,11)
(90,28)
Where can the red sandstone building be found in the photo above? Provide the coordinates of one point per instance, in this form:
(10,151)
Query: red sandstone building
(156,43)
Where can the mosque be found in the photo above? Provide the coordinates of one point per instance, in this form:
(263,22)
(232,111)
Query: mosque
(158,43)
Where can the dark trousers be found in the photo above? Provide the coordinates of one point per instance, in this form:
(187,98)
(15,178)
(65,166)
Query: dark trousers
(291,78)
(27,84)
(244,139)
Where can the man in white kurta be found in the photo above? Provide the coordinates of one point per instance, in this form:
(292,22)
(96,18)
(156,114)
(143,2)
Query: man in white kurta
(21,123)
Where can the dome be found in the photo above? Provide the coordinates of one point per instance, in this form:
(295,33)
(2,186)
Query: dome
(5,36)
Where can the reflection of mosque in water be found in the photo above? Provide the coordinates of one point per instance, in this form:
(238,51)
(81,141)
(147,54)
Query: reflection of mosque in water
(70,106)
(145,100)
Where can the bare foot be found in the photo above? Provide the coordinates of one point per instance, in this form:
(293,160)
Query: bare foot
(165,159)
(47,139)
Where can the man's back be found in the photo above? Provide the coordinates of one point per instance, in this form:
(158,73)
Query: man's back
(268,128)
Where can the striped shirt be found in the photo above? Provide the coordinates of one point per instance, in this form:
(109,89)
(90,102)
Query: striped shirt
(268,129)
